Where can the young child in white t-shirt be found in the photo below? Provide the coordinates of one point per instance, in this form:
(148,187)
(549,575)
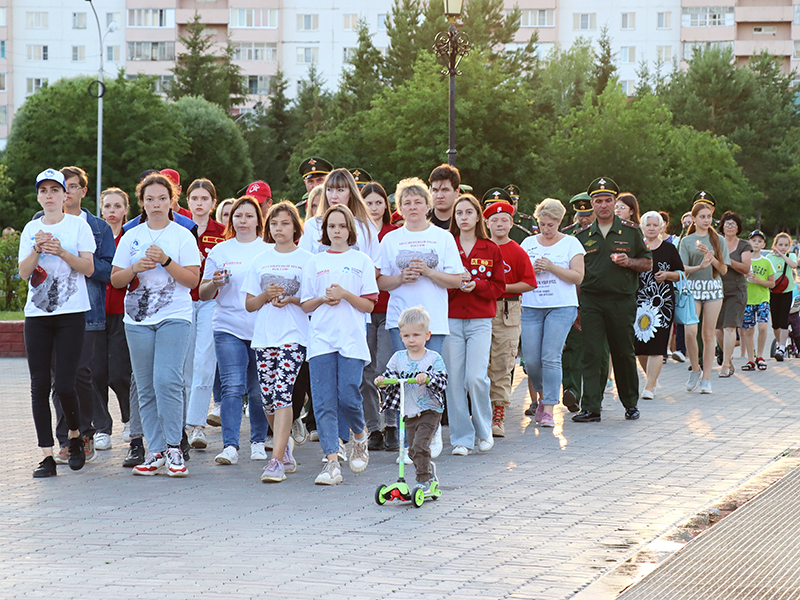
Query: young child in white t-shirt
(339,289)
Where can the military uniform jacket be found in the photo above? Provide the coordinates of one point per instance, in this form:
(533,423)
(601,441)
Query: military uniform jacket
(571,229)
(603,276)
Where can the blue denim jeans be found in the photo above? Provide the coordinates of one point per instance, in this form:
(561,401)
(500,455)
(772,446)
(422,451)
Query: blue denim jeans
(544,331)
(157,355)
(200,365)
(238,374)
(466,356)
(436,343)
(335,386)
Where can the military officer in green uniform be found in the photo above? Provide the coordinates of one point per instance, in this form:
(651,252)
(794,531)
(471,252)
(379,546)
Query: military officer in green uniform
(524,225)
(572,356)
(361,176)
(615,255)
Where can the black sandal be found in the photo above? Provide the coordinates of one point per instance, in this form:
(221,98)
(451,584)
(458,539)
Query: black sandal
(761,364)
(750,366)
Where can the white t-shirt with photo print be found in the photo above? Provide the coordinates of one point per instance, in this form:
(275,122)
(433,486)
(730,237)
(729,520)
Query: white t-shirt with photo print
(158,296)
(277,326)
(341,328)
(63,290)
(438,249)
(230,314)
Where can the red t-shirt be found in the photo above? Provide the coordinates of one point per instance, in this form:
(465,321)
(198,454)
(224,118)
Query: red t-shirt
(486,267)
(185,212)
(115,297)
(383,297)
(518,266)
(210,238)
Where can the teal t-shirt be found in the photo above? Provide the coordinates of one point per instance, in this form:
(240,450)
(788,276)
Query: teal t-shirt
(778,263)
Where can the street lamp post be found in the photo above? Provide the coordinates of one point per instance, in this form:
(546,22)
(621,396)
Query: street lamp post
(101,89)
(453,46)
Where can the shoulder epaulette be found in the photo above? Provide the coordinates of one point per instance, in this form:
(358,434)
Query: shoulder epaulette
(529,232)
(524,216)
(629,223)
(582,229)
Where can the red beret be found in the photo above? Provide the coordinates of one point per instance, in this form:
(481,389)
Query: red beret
(498,207)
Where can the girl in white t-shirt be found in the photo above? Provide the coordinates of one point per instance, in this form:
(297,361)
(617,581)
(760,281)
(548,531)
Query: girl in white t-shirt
(159,263)
(549,311)
(226,266)
(280,338)
(340,290)
(55,255)
(341,188)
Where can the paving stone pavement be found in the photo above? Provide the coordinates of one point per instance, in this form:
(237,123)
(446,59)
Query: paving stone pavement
(541,516)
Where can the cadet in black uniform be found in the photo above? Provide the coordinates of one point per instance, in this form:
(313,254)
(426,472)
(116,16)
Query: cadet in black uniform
(615,255)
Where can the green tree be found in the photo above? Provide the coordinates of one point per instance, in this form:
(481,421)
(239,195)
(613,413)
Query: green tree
(488,25)
(216,149)
(565,80)
(604,68)
(201,72)
(360,78)
(402,27)
(57,126)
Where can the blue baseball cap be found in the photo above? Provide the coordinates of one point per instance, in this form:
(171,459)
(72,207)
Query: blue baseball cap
(51,175)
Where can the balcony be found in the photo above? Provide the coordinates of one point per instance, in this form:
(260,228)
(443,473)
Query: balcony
(764,14)
(751,47)
(209,17)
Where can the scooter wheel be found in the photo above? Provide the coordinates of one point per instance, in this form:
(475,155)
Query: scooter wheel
(417,496)
(380,499)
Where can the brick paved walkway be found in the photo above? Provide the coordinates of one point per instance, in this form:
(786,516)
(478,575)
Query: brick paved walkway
(541,516)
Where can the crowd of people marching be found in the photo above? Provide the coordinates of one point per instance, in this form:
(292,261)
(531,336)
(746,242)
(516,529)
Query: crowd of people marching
(187,313)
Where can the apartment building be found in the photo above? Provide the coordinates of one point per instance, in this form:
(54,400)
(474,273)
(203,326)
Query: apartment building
(44,40)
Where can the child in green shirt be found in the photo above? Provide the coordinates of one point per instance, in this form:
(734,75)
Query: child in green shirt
(760,280)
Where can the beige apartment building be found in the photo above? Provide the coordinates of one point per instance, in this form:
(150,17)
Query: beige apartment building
(44,40)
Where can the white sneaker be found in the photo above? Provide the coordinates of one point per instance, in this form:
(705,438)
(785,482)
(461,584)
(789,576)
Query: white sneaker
(331,474)
(176,467)
(436,443)
(647,395)
(693,381)
(609,386)
(228,456)
(213,417)
(678,356)
(342,453)
(486,445)
(197,438)
(406,459)
(359,455)
(102,441)
(299,432)
(313,436)
(269,442)
(258,451)
(705,386)
(126,432)
(461,451)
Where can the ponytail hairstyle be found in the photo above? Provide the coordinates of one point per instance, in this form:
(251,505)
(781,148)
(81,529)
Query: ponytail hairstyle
(713,235)
(154,178)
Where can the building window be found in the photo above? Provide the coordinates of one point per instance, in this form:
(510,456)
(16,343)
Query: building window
(113,18)
(151,17)
(78,53)
(349,54)
(351,22)
(765,30)
(37,20)
(797,48)
(151,50)
(381,22)
(629,87)
(254,18)
(663,54)
(259,85)
(584,21)
(627,54)
(2,16)
(629,20)
(537,18)
(258,51)
(690,47)
(2,49)
(3,115)
(707,16)
(35,83)
(664,20)
(796,15)
(2,82)
(112,53)
(37,52)
(307,22)
(306,56)
(79,20)
(162,84)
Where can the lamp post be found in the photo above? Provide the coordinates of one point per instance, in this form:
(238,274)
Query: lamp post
(452,46)
(101,90)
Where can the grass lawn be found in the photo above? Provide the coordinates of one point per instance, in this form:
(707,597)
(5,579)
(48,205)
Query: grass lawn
(11,315)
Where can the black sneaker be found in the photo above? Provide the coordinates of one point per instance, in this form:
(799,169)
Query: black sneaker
(375,441)
(77,453)
(391,441)
(135,457)
(185,447)
(531,410)
(46,468)
(718,355)
(631,414)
